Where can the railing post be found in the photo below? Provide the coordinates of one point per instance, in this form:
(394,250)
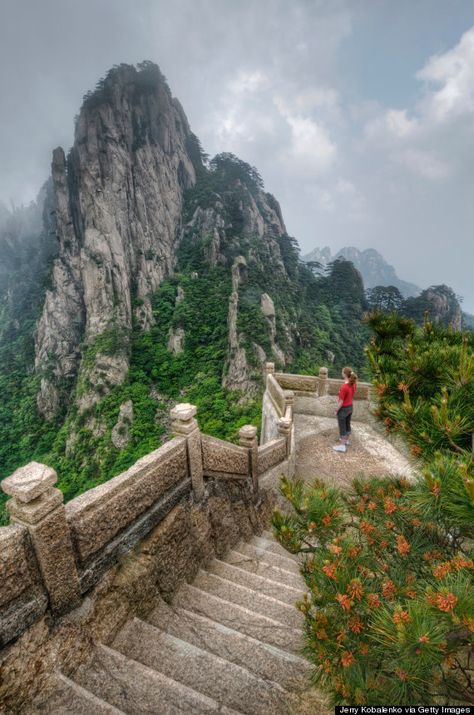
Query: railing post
(289,400)
(38,506)
(184,424)
(248,438)
(269,369)
(284,430)
(323,382)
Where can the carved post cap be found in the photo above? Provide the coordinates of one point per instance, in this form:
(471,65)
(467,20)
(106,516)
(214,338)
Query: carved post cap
(183,412)
(182,419)
(269,368)
(247,433)
(29,482)
(323,372)
(289,397)
(284,425)
(185,425)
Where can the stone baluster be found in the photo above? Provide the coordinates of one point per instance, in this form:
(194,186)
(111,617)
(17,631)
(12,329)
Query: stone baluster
(323,384)
(284,430)
(39,507)
(184,424)
(248,438)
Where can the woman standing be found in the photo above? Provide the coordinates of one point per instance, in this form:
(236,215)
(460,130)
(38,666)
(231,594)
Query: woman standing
(344,408)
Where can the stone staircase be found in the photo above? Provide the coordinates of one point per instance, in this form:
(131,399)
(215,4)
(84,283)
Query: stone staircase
(230,643)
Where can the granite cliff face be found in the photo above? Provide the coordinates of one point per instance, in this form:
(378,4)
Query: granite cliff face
(239,217)
(118,198)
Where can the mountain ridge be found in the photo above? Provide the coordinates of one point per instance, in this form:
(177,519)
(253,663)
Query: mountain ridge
(375,270)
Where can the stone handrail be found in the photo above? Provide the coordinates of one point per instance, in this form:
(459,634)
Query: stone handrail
(276,395)
(52,554)
(271,453)
(300,383)
(224,459)
(319,385)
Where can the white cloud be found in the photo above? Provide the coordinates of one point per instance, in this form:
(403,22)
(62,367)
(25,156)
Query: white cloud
(248,82)
(424,163)
(453,73)
(311,150)
(393,123)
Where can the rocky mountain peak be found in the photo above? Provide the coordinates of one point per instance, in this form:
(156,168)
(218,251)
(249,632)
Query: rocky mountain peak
(118,198)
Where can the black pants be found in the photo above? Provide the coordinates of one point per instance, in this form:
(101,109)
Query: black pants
(344,421)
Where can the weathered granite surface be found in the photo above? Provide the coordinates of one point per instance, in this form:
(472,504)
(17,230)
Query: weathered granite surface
(15,574)
(98,515)
(221,456)
(270,454)
(302,383)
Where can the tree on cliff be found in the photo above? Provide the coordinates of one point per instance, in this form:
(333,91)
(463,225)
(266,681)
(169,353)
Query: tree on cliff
(386,298)
(389,566)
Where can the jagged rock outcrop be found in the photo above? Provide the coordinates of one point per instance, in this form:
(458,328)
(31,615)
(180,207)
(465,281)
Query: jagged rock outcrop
(237,376)
(268,309)
(176,341)
(121,430)
(439,303)
(445,306)
(118,201)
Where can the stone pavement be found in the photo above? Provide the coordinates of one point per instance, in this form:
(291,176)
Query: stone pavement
(369,454)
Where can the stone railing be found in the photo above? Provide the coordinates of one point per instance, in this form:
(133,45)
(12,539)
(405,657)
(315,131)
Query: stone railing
(53,554)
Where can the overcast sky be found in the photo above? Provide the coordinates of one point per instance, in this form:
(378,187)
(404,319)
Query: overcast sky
(359,114)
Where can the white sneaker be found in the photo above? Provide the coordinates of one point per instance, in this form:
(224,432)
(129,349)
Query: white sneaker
(340,448)
(348,443)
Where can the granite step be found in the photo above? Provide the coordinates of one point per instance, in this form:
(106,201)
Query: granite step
(243,577)
(244,620)
(268,542)
(231,685)
(248,598)
(265,569)
(260,553)
(69,698)
(137,689)
(262,659)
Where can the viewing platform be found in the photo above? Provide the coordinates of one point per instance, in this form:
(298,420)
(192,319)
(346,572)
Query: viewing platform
(108,602)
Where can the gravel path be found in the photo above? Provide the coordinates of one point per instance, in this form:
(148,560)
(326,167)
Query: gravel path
(369,453)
